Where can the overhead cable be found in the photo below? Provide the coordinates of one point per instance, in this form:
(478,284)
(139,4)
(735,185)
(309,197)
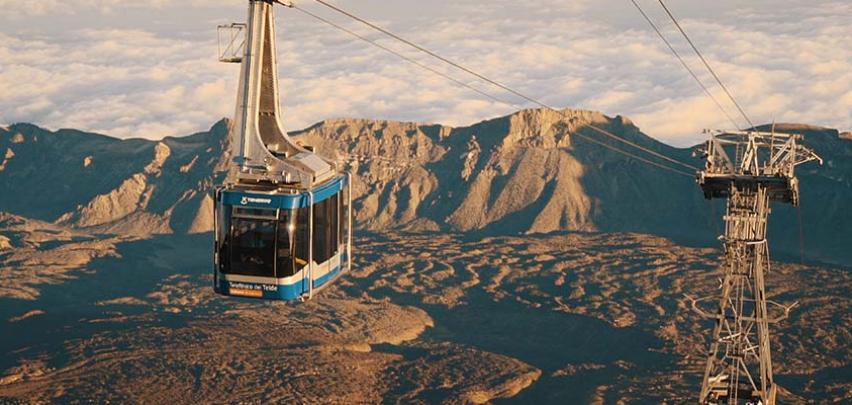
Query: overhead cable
(498,84)
(706,64)
(494,98)
(685,65)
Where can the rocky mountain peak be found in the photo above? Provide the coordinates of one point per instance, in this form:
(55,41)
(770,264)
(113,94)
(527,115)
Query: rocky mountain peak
(104,184)
(522,173)
(545,128)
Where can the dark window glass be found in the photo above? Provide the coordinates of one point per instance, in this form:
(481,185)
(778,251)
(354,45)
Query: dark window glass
(326,232)
(254,212)
(223,228)
(343,222)
(302,247)
(334,225)
(320,231)
(286,235)
(325,229)
(339,223)
(253,247)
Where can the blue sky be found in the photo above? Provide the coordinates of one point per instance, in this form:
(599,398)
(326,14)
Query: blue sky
(148,68)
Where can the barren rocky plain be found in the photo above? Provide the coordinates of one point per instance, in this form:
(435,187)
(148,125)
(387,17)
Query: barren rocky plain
(491,265)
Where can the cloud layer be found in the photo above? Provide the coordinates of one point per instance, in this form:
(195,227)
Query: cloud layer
(151,70)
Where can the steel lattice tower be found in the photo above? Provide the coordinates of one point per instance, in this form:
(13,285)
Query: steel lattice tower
(739,362)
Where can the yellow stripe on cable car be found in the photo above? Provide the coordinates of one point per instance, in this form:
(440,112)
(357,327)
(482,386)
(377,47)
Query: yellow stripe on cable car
(246,293)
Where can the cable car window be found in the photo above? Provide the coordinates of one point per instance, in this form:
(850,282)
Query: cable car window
(344,221)
(325,229)
(334,223)
(223,226)
(302,247)
(320,231)
(253,247)
(254,212)
(339,220)
(285,246)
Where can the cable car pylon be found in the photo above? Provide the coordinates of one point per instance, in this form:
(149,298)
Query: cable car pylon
(283,213)
(739,364)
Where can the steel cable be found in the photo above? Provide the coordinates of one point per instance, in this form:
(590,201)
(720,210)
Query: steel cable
(685,65)
(492,97)
(498,84)
(706,64)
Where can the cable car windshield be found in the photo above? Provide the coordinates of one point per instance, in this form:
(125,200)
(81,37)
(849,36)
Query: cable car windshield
(253,247)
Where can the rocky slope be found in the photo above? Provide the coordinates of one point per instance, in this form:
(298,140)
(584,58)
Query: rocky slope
(527,173)
(145,327)
(524,173)
(36,254)
(107,185)
(425,318)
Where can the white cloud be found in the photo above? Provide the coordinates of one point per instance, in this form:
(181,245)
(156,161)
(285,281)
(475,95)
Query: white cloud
(150,70)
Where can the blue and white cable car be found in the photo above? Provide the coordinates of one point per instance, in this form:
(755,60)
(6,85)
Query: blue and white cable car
(283,214)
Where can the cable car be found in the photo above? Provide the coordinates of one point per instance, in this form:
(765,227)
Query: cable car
(283,213)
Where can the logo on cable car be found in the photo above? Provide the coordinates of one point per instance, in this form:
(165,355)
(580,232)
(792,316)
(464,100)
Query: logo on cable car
(245,200)
(250,290)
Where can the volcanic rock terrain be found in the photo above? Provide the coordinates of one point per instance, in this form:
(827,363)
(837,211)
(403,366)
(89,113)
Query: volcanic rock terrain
(424,317)
(504,262)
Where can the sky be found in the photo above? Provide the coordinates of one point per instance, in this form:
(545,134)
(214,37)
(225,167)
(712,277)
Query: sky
(149,68)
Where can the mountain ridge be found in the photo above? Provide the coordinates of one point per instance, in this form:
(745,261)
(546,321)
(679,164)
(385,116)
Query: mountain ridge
(527,172)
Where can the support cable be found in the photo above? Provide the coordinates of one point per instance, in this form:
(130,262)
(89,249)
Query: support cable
(706,64)
(400,55)
(497,84)
(685,65)
(494,98)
